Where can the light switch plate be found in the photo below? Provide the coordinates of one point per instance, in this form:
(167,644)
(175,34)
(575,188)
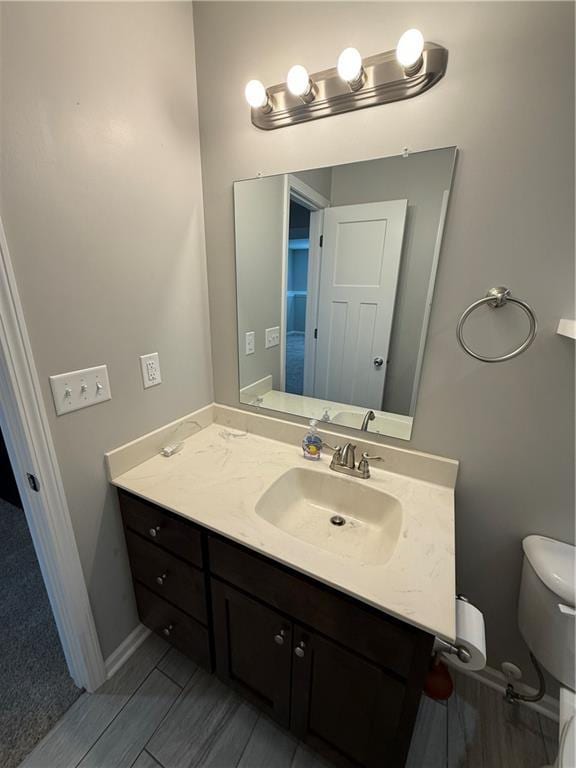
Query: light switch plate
(150,365)
(80,389)
(272,338)
(250,342)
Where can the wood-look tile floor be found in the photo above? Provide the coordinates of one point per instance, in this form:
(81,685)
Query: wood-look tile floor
(161,711)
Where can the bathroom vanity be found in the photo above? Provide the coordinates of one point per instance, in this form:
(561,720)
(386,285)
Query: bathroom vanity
(345,678)
(332,644)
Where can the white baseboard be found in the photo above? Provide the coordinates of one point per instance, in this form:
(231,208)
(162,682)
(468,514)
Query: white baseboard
(548,706)
(126,648)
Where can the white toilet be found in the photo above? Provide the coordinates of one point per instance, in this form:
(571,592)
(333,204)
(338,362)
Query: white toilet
(546,617)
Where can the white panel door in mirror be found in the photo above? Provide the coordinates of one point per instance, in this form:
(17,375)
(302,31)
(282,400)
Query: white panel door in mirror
(358,278)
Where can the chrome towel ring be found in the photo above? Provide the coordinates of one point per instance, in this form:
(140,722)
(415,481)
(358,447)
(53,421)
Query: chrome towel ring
(495,298)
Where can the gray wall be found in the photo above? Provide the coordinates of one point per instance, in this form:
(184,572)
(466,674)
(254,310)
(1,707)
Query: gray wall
(421,178)
(319,179)
(259,217)
(100,194)
(510,222)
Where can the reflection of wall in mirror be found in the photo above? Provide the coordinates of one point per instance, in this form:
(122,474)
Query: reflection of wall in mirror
(259,213)
(421,178)
(320,179)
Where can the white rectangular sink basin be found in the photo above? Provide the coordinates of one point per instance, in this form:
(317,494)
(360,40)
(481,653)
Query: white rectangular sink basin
(346,517)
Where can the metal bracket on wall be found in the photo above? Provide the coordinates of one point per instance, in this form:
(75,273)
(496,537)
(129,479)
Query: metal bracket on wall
(385,81)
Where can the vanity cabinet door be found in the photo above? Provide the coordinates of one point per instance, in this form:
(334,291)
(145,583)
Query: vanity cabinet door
(253,647)
(343,705)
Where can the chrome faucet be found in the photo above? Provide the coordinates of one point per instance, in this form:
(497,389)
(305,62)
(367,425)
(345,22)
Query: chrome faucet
(344,461)
(370,416)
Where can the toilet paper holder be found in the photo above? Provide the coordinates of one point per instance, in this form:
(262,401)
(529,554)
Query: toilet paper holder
(443,646)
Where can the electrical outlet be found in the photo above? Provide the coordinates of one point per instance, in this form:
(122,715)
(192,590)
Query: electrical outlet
(272,338)
(150,365)
(250,342)
(79,389)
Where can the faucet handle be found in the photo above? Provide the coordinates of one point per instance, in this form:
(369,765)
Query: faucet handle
(336,456)
(364,467)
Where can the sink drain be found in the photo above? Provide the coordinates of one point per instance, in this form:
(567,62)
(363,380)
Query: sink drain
(337,520)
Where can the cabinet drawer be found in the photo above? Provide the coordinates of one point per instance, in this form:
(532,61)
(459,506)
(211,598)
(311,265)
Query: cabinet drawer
(174,626)
(383,640)
(167,576)
(161,527)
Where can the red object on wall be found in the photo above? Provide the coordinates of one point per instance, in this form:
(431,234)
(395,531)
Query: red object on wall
(438,684)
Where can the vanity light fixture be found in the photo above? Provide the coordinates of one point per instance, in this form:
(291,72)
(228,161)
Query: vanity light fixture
(409,70)
(350,68)
(257,96)
(299,83)
(409,51)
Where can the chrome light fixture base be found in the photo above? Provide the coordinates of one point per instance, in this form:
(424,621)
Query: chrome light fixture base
(385,81)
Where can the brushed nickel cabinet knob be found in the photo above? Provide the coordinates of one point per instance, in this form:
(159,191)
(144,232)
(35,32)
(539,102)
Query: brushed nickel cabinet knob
(161,579)
(167,630)
(299,650)
(154,531)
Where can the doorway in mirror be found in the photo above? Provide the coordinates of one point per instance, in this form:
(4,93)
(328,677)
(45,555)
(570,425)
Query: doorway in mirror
(296,295)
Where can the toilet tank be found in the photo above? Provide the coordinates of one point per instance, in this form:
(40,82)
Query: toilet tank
(546,614)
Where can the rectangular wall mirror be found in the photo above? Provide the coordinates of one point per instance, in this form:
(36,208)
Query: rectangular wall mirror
(335,275)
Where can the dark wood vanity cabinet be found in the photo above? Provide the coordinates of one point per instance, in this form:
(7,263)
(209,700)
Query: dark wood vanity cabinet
(253,647)
(170,581)
(330,697)
(343,677)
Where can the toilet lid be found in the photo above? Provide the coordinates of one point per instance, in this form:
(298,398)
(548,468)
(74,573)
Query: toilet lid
(568,746)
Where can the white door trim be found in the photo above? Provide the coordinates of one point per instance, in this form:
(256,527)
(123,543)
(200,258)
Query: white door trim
(306,195)
(284,280)
(313,289)
(28,440)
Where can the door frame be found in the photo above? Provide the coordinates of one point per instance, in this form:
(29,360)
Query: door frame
(26,430)
(302,193)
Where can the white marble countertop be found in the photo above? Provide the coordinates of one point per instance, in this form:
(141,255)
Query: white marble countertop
(221,473)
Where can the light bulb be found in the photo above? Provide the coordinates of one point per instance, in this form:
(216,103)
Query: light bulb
(350,66)
(256,94)
(409,50)
(298,81)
